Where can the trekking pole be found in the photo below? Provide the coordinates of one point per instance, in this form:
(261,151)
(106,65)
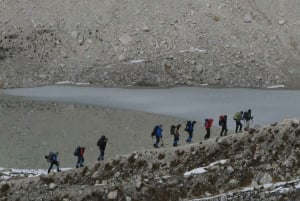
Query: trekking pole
(162,143)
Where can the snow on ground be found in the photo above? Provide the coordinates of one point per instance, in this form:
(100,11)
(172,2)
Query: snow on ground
(8,173)
(202,170)
(276,86)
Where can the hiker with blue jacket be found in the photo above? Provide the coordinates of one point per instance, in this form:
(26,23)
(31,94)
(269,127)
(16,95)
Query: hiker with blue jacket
(189,128)
(53,160)
(157,132)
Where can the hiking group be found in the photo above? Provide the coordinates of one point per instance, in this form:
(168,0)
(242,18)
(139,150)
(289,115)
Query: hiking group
(52,157)
(157,131)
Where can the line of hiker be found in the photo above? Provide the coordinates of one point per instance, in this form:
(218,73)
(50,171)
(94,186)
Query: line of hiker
(52,157)
(157,131)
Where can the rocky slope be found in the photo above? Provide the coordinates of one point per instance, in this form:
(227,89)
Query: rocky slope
(256,165)
(245,43)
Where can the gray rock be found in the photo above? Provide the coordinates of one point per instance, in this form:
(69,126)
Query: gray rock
(138,185)
(248,18)
(230,170)
(80,40)
(74,34)
(52,186)
(125,39)
(281,22)
(233,181)
(264,178)
(112,195)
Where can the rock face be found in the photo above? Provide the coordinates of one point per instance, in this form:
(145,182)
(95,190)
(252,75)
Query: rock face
(232,168)
(149,43)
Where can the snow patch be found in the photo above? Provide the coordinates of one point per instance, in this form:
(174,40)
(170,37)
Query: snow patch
(136,61)
(195,171)
(13,172)
(192,49)
(276,86)
(82,83)
(63,82)
(297,186)
(218,162)
(202,170)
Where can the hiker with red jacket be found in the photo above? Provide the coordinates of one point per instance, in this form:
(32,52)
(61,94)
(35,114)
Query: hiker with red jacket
(208,123)
(223,124)
(79,151)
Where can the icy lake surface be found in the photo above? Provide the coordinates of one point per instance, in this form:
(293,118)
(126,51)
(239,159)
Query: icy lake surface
(268,105)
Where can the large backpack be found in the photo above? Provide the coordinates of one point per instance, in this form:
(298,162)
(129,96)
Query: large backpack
(154,131)
(76,152)
(172,130)
(221,119)
(188,126)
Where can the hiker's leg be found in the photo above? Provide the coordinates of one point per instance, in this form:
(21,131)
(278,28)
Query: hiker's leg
(102,155)
(49,169)
(78,161)
(236,126)
(221,134)
(241,126)
(81,161)
(57,166)
(208,133)
(247,125)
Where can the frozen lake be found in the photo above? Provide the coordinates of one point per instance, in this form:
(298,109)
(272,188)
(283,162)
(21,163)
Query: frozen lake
(190,103)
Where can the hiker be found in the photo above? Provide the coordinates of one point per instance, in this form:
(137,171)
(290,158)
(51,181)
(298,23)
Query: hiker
(223,124)
(247,116)
(207,124)
(189,128)
(176,134)
(79,151)
(157,132)
(52,159)
(102,144)
(238,117)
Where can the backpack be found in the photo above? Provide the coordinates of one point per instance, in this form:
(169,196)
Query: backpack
(101,140)
(76,152)
(172,130)
(188,126)
(221,119)
(154,131)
